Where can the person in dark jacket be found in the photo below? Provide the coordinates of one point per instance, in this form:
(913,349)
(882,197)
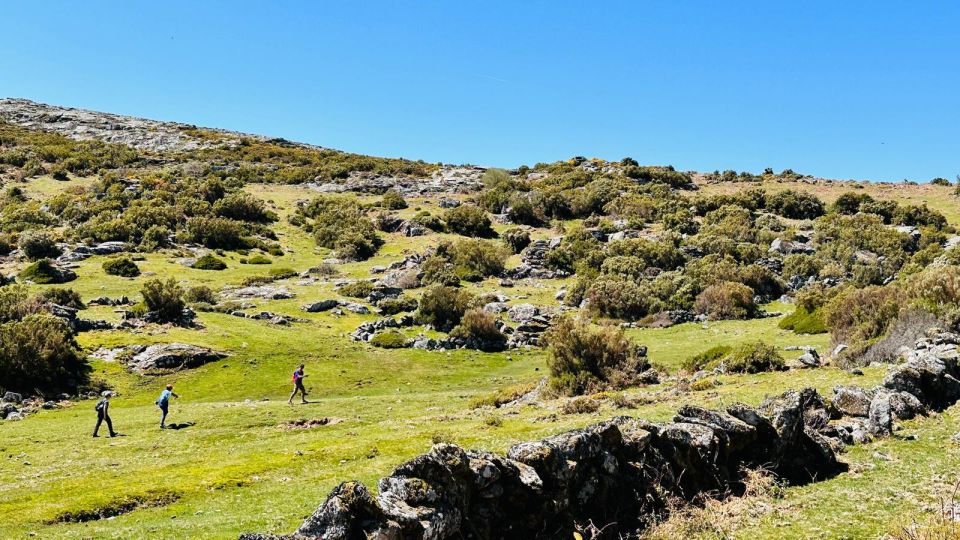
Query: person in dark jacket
(103,413)
(298,386)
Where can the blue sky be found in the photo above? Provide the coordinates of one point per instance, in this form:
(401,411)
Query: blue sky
(839,89)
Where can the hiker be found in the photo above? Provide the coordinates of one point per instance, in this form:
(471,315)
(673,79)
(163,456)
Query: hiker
(164,403)
(103,413)
(298,386)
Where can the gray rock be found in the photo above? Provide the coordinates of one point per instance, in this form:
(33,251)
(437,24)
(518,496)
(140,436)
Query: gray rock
(522,312)
(852,400)
(322,305)
(266,292)
(12,397)
(173,355)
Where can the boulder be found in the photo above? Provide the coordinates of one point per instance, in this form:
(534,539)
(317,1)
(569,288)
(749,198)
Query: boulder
(322,305)
(12,397)
(173,355)
(522,312)
(852,400)
(266,292)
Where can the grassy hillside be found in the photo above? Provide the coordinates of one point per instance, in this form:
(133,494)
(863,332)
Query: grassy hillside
(241,459)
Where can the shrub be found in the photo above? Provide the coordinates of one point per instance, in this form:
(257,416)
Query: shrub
(469,220)
(341,224)
(43,272)
(200,294)
(393,200)
(802,321)
(795,204)
(709,357)
(858,315)
(938,181)
(621,299)
(357,289)
(584,359)
(523,212)
(389,340)
(580,405)
(516,239)
(258,259)
(215,232)
(801,265)
(209,262)
(726,300)
(429,221)
(443,306)
(38,354)
(754,358)
(479,325)
(281,273)
(393,306)
(37,245)
(164,298)
(62,297)
(243,206)
(437,270)
(155,237)
(478,257)
(121,266)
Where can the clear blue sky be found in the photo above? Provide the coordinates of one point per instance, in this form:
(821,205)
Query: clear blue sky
(838,89)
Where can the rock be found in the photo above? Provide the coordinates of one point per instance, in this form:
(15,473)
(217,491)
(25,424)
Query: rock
(354,307)
(322,305)
(880,420)
(173,355)
(852,400)
(266,292)
(12,397)
(522,312)
(50,405)
(810,359)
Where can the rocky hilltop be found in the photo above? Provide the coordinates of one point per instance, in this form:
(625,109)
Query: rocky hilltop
(138,133)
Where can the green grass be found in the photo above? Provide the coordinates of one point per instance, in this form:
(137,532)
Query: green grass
(237,469)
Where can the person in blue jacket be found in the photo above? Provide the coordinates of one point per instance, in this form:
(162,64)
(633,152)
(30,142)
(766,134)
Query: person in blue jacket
(164,403)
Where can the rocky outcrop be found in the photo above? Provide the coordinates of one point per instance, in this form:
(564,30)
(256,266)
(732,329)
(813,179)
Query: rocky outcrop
(619,473)
(83,125)
(172,356)
(265,292)
(534,261)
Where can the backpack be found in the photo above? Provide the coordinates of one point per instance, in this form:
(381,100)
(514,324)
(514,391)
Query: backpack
(101,405)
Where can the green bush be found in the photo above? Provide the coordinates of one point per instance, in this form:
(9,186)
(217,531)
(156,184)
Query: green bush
(164,298)
(429,221)
(121,266)
(242,206)
(393,200)
(389,340)
(357,289)
(795,204)
(437,270)
(62,297)
(443,307)
(726,300)
(43,272)
(257,259)
(393,306)
(38,354)
(468,220)
(622,298)
(341,224)
(754,358)
(584,359)
(802,321)
(37,245)
(480,325)
(480,257)
(516,239)
(209,262)
(155,237)
(859,315)
(709,357)
(201,294)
